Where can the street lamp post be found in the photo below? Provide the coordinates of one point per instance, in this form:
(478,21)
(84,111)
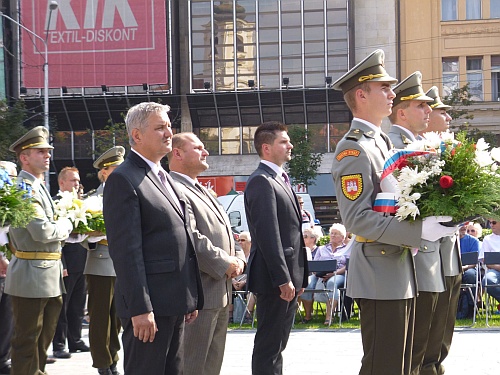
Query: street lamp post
(52,6)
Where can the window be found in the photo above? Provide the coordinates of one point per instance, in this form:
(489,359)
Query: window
(449,10)
(475,77)
(473,10)
(450,75)
(495,8)
(495,78)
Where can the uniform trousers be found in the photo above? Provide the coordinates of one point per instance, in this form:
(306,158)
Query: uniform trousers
(104,324)
(6,327)
(275,318)
(35,321)
(387,335)
(442,327)
(163,356)
(69,325)
(424,313)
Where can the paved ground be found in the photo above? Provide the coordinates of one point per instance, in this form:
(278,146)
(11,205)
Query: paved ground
(326,352)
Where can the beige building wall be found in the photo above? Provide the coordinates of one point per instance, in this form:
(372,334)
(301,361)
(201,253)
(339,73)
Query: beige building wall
(425,40)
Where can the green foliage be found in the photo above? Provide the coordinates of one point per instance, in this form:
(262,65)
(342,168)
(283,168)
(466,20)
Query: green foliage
(304,165)
(459,99)
(11,127)
(323,240)
(114,134)
(16,209)
(475,134)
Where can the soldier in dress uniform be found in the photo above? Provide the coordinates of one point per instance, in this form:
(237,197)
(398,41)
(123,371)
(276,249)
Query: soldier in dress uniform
(35,274)
(410,111)
(443,323)
(100,275)
(410,116)
(381,269)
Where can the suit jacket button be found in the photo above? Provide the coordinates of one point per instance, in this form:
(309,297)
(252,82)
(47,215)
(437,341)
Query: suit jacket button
(382,252)
(425,247)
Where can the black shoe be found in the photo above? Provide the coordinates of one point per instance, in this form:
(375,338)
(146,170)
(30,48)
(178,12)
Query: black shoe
(62,354)
(113,369)
(5,370)
(104,371)
(80,347)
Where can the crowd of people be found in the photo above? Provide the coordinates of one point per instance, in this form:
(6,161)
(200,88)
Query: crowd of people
(165,269)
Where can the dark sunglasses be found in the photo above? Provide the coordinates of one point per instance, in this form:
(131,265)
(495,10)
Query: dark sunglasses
(493,222)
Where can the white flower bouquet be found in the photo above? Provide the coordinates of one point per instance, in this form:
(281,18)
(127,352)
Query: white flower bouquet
(444,176)
(86,215)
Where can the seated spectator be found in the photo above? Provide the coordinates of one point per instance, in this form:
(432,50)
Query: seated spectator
(328,252)
(491,243)
(468,244)
(311,237)
(240,282)
(307,220)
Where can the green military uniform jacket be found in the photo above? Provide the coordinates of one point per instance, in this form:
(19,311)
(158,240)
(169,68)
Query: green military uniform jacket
(380,269)
(37,278)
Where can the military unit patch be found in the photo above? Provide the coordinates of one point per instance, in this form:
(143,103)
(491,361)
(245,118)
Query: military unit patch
(349,152)
(352,186)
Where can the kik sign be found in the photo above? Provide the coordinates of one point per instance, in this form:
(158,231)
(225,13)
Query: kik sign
(96,42)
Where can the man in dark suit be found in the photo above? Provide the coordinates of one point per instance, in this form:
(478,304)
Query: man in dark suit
(74,256)
(217,256)
(158,286)
(277,266)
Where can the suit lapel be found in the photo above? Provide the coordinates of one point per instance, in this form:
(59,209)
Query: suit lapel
(287,190)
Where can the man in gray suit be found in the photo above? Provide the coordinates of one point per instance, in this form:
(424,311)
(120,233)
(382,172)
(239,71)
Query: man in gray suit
(158,285)
(34,277)
(100,275)
(381,269)
(443,323)
(217,258)
(410,115)
(410,111)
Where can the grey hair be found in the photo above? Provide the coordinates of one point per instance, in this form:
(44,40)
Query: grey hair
(312,233)
(138,115)
(339,227)
(9,166)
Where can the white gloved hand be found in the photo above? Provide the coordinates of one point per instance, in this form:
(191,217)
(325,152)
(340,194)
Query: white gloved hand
(93,239)
(65,224)
(3,235)
(76,238)
(432,230)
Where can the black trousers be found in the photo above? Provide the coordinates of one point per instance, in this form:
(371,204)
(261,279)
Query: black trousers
(275,318)
(163,356)
(69,325)
(6,325)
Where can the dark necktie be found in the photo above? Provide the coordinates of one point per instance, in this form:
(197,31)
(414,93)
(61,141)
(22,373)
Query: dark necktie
(170,192)
(287,179)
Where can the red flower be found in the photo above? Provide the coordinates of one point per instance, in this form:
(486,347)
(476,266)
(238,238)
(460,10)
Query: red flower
(446,182)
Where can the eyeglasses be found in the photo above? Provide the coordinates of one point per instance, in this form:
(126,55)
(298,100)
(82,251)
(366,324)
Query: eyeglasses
(471,231)
(493,222)
(306,236)
(241,240)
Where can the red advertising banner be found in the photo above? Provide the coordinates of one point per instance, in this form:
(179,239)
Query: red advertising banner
(95,42)
(220,184)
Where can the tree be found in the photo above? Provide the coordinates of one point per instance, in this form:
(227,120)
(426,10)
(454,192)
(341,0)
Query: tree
(304,164)
(11,127)
(112,135)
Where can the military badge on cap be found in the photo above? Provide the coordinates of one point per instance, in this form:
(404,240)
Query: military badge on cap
(436,103)
(114,156)
(352,186)
(35,138)
(371,69)
(410,89)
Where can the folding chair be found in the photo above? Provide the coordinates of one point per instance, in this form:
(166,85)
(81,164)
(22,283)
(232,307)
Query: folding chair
(343,295)
(240,295)
(490,258)
(472,259)
(323,266)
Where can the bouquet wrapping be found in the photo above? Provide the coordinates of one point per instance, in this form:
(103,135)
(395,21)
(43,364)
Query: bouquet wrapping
(86,215)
